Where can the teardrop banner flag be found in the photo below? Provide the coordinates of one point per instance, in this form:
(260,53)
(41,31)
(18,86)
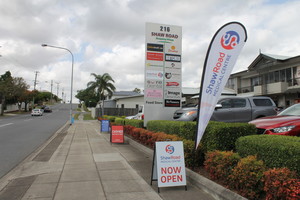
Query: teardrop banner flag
(221,56)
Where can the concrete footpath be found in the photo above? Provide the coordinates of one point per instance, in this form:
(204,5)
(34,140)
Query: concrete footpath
(79,162)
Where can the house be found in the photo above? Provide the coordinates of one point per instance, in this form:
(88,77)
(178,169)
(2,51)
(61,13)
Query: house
(270,75)
(124,99)
(128,99)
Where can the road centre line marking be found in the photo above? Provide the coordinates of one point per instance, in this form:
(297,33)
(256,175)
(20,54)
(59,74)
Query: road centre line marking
(6,124)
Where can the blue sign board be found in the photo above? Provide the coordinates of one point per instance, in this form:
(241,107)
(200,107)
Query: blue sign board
(104,125)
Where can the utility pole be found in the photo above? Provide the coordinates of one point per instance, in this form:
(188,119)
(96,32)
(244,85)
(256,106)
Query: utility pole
(62,94)
(34,85)
(57,88)
(51,92)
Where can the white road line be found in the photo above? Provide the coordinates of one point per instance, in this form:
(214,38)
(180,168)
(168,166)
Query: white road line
(27,120)
(6,124)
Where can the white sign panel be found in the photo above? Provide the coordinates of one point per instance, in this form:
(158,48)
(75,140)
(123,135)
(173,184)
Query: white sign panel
(162,71)
(169,164)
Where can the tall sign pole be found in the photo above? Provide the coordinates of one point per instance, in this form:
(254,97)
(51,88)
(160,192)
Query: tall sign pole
(162,71)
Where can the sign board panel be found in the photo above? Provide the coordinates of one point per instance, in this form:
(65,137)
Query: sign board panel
(169,164)
(104,126)
(162,71)
(117,134)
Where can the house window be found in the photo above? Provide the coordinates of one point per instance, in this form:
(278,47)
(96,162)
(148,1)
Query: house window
(276,76)
(265,79)
(282,75)
(255,81)
(122,105)
(271,77)
(230,83)
(289,76)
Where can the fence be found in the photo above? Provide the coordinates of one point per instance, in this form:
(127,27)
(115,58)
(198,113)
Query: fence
(116,111)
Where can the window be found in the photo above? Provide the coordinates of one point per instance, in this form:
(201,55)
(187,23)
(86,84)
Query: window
(271,77)
(230,83)
(276,76)
(262,102)
(282,75)
(226,103)
(255,81)
(239,103)
(265,79)
(288,74)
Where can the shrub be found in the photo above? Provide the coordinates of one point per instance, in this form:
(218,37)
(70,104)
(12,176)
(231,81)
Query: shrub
(134,122)
(276,151)
(246,177)
(222,136)
(281,183)
(149,138)
(183,129)
(219,164)
(120,121)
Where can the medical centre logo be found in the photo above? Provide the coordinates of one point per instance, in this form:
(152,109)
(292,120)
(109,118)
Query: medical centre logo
(170,149)
(230,40)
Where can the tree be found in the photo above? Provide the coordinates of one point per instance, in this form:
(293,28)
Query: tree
(19,90)
(88,96)
(6,89)
(137,90)
(103,86)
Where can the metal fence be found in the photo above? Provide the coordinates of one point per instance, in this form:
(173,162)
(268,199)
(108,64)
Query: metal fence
(117,111)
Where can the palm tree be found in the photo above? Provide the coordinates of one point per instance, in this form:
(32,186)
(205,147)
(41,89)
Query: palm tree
(103,86)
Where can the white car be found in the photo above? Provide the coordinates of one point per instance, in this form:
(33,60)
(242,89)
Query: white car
(37,112)
(139,116)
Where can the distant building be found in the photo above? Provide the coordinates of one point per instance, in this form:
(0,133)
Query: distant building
(129,99)
(270,75)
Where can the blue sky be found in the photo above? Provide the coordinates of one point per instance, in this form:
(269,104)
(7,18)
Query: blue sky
(107,36)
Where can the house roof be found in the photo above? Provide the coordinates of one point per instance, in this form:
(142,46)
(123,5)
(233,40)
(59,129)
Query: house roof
(125,93)
(264,59)
(127,97)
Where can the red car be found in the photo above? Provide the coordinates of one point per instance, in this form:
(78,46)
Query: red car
(285,123)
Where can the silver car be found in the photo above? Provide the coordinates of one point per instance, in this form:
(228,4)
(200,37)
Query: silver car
(233,109)
(37,112)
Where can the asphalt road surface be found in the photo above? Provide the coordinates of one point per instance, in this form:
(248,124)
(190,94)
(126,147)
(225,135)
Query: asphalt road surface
(21,134)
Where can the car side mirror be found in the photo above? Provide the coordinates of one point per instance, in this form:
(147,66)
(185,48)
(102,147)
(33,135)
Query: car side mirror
(218,106)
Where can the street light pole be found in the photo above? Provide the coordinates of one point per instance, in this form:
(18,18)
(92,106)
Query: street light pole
(46,45)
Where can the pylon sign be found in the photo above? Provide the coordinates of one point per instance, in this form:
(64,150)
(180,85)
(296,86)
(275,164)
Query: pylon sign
(162,71)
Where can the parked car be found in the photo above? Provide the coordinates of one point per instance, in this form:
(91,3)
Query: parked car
(47,109)
(286,122)
(139,115)
(37,112)
(233,109)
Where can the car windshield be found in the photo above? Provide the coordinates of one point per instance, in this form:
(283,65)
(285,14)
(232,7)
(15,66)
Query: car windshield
(293,110)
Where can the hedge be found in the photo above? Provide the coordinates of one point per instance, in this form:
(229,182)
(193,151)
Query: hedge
(222,136)
(132,122)
(149,138)
(218,135)
(275,150)
(181,128)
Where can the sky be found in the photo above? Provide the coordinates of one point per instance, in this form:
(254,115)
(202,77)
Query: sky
(108,36)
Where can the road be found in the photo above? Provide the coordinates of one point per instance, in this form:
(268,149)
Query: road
(21,134)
